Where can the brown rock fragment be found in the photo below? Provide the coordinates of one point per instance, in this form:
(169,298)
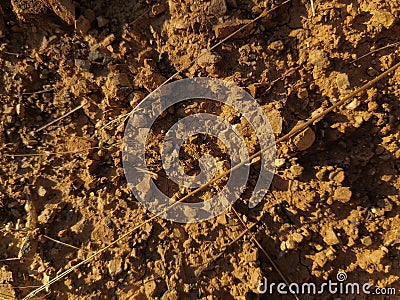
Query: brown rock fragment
(225,29)
(338,176)
(82,25)
(115,267)
(342,194)
(329,236)
(304,139)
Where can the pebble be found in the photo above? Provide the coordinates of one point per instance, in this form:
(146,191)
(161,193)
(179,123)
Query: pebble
(290,244)
(297,237)
(330,237)
(338,176)
(366,241)
(353,104)
(320,259)
(115,266)
(279,162)
(304,139)
(342,82)
(42,191)
(342,194)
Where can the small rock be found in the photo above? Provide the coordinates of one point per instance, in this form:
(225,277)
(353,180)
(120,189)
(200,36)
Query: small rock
(319,58)
(227,28)
(279,162)
(381,17)
(115,267)
(330,237)
(304,139)
(342,194)
(353,104)
(82,25)
(337,176)
(102,21)
(108,40)
(342,82)
(158,9)
(366,241)
(41,191)
(320,259)
(290,244)
(321,174)
(297,237)
(276,46)
(283,246)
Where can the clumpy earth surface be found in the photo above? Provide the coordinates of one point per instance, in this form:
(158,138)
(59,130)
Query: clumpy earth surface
(333,205)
